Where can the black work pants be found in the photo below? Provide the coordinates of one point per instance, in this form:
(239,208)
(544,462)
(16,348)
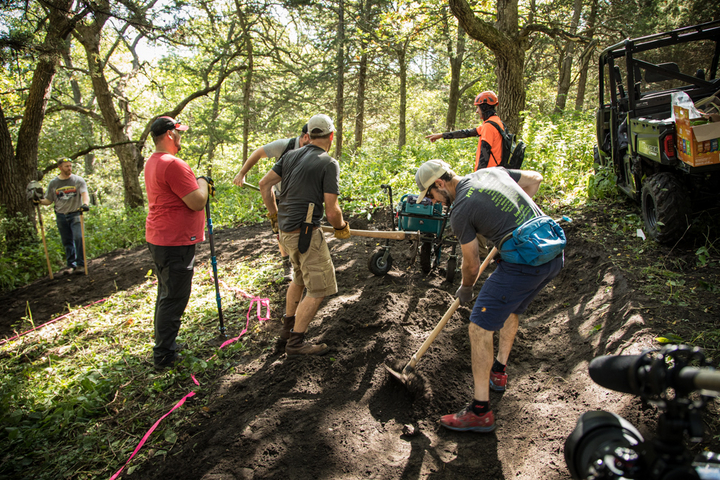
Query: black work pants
(174,271)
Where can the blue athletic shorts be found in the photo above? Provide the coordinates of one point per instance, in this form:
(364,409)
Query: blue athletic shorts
(510,289)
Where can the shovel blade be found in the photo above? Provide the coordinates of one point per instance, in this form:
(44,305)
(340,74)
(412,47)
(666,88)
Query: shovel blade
(400,371)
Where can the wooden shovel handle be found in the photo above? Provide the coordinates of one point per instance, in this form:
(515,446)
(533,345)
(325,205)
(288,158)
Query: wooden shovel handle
(438,328)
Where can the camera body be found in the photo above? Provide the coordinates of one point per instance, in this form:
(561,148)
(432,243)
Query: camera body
(606,446)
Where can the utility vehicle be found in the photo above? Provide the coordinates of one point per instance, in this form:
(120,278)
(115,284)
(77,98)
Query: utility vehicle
(637,135)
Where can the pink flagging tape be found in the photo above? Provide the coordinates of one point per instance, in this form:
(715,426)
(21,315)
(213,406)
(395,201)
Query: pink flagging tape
(152,429)
(260,303)
(6,340)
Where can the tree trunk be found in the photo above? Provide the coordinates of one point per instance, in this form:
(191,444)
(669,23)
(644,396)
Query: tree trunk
(85,124)
(456,61)
(402,127)
(247,93)
(565,73)
(509,47)
(586,57)
(360,107)
(18,168)
(129,154)
(339,98)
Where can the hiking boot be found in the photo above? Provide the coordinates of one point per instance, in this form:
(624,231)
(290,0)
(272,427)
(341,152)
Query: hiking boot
(498,381)
(287,269)
(169,364)
(288,324)
(467,421)
(78,271)
(297,346)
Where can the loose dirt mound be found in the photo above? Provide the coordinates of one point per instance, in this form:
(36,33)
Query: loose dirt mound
(342,416)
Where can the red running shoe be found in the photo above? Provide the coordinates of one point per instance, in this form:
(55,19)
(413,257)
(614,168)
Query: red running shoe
(467,421)
(498,381)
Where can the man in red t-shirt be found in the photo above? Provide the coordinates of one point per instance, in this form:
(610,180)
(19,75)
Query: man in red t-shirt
(489,148)
(175,223)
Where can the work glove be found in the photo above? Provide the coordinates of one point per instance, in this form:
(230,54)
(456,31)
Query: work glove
(84,208)
(211,185)
(464,294)
(274,222)
(36,201)
(344,232)
(34,192)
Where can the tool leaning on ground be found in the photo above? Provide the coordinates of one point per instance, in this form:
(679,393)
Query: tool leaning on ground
(405,375)
(82,209)
(213,259)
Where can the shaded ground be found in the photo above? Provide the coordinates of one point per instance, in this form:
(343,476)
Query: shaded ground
(341,416)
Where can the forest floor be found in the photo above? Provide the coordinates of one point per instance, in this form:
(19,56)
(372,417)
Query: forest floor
(341,416)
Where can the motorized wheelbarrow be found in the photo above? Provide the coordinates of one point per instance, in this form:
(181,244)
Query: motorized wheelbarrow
(429,221)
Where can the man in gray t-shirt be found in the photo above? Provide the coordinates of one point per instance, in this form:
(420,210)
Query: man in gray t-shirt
(310,179)
(70,195)
(275,150)
(492,202)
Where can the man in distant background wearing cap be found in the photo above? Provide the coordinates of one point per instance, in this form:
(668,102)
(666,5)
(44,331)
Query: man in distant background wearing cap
(275,149)
(492,202)
(309,176)
(70,194)
(175,224)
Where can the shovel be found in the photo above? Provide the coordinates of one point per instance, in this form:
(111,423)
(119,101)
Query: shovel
(393,235)
(405,375)
(306,230)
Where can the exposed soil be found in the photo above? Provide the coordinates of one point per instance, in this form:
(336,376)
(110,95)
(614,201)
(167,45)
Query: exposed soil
(342,416)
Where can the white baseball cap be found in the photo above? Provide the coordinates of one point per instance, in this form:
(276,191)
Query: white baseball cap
(427,174)
(320,125)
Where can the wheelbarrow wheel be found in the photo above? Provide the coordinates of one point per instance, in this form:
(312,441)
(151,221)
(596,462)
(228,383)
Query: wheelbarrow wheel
(451,267)
(378,266)
(426,257)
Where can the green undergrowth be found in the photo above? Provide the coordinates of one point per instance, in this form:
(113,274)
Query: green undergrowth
(77,396)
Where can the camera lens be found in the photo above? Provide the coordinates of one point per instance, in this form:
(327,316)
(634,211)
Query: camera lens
(599,436)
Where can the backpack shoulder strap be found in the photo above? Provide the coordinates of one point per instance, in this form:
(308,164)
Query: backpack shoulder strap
(501,131)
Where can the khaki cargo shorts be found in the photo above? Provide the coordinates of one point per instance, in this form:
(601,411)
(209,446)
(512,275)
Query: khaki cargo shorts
(313,269)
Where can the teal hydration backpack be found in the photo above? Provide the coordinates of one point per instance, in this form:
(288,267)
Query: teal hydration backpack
(535,242)
(513,149)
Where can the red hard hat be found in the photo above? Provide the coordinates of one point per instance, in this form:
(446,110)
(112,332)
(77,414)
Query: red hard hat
(487,97)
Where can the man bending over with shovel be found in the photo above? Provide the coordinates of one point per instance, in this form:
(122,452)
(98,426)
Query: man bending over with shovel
(491,202)
(310,178)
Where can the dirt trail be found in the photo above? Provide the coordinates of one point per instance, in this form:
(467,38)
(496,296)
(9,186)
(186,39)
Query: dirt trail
(342,417)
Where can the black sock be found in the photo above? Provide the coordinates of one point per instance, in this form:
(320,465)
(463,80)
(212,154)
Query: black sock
(498,367)
(480,408)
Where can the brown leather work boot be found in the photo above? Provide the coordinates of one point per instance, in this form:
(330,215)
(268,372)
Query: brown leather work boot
(288,324)
(296,346)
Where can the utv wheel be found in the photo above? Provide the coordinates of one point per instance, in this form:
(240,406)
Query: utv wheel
(665,207)
(378,266)
(426,257)
(451,267)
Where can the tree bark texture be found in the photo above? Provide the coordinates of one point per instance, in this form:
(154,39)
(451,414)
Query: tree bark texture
(19,166)
(360,107)
(128,154)
(509,46)
(456,61)
(85,124)
(339,92)
(565,73)
(586,57)
(402,124)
